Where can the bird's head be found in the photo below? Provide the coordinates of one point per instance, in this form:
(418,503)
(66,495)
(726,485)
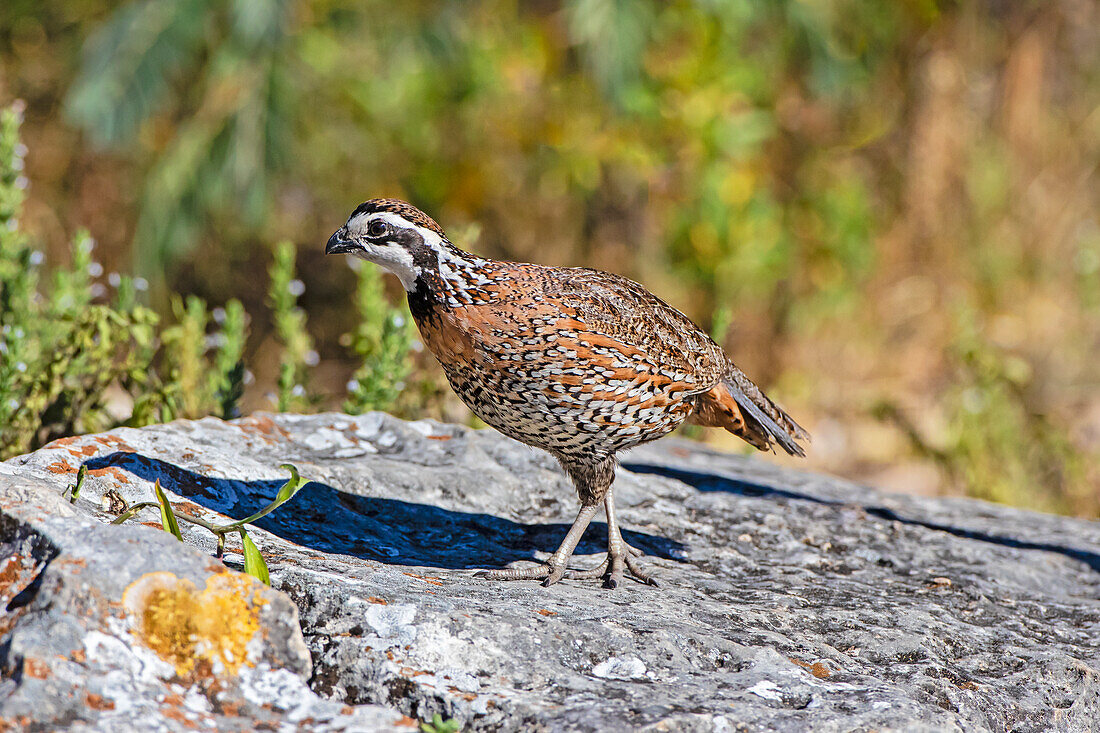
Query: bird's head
(393,234)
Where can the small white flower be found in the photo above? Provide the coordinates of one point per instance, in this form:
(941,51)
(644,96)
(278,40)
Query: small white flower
(398,320)
(298,391)
(249,377)
(13,404)
(98,290)
(352,385)
(141,283)
(21,183)
(13,224)
(18,163)
(297,287)
(219,315)
(216,340)
(312,358)
(87,244)
(21,366)
(114,279)
(95,269)
(37,257)
(18,332)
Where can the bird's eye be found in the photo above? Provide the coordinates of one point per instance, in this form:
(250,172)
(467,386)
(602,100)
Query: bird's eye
(377,228)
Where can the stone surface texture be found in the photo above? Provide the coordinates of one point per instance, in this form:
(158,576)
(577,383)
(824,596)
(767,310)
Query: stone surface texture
(789,601)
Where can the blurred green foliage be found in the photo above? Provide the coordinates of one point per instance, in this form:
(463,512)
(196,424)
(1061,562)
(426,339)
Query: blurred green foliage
(75,358)
(382,341)
(290,328)
(823,184)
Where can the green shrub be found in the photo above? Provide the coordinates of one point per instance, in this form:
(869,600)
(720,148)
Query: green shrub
(80,356)
(381,341)
(290,327)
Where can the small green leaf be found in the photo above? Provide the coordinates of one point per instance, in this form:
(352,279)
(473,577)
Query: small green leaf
(167,518)
(290,488)
(254,563)
(439,725)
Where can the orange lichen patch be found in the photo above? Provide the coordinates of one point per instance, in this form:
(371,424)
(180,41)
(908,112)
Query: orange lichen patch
(15,569)
(817,669)
(410,672)
(179,716)
(426,578)
(545,612)
(406,722)
(196,630)
(263,425)
(60,467)
(115,442)
(467,696)
(439,437)
(379,601)
(62,442)
(98,702)
(113,471)
(88,450)
(35,668)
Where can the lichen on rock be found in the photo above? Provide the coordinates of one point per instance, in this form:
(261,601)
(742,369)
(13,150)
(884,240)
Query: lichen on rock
(206,631)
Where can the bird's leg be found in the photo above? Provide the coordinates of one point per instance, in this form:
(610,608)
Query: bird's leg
(554,568)
(619,554)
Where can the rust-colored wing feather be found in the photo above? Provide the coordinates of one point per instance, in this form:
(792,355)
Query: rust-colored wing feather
(624,310)
(723,395)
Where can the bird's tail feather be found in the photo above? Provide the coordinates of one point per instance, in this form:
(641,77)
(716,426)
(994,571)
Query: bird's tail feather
(769,417)
(740,407)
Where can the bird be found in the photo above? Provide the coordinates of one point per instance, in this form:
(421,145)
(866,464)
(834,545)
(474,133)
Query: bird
(578,362)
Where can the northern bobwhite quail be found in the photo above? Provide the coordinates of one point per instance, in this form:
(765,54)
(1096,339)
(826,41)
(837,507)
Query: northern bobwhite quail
(578,362)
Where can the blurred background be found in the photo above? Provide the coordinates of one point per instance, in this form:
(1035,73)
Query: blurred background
(887,212)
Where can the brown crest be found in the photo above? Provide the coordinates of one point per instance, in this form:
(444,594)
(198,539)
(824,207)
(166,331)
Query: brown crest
(401,208)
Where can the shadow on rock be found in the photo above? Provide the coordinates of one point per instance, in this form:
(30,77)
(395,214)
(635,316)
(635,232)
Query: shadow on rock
(387,530)
(713,482)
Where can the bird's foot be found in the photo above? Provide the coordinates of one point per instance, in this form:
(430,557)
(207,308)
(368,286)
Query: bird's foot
(547,573)
(612,569)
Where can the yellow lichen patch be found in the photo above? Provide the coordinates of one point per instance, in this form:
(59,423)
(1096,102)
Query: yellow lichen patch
(192,629)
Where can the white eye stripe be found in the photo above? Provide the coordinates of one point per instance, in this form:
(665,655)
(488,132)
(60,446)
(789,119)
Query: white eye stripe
(431,239)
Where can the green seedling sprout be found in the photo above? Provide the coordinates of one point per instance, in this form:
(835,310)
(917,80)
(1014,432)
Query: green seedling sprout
(254,563)
(74,490)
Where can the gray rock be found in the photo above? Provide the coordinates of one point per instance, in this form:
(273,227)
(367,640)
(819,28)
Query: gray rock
(790,601)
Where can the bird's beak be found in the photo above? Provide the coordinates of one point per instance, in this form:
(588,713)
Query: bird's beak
(339,243)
